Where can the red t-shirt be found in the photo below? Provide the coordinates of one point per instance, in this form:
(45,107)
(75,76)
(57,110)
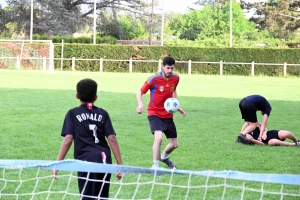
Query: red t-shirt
(160,90)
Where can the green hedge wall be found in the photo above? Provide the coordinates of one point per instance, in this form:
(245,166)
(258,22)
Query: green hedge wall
(125,52)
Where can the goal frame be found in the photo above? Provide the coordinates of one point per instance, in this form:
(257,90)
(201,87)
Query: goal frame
(48,61)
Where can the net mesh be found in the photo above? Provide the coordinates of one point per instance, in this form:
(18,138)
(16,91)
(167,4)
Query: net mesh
(22,179)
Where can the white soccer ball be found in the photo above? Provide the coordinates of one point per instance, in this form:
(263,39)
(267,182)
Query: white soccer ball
(171,105)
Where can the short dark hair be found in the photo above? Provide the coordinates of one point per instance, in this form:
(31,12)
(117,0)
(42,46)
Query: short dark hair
(86,90)
(168,61)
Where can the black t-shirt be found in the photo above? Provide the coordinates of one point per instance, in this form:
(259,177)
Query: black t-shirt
(271,134)
(255,133)
(89,128)
(260,103)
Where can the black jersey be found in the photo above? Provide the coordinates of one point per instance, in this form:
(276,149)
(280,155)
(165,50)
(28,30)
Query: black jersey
(271,134)
(260,103)
(255,133)
(89,127)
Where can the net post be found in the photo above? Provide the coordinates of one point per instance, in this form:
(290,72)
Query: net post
(221,68)
(252,68)
(73,63)
(284,69)
(62,55)
(159,64)
(18,62)
(101,65)
(44,63)
(130,65)
(190,67)
(51,57)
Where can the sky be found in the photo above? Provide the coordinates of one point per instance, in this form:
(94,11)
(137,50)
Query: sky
(177,5)
(169,5)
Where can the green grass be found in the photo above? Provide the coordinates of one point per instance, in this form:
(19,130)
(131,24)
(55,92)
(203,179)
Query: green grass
(33,106)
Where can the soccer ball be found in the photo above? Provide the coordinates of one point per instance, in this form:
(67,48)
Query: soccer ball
(171,105)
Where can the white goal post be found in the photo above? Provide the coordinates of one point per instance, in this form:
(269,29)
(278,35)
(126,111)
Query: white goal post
(32,179)
(27,54)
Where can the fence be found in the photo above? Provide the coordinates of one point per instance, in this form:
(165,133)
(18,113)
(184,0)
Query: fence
(16,65)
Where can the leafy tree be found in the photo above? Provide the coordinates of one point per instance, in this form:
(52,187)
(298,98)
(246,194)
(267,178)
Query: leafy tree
(240,25)
(282,18)
(65,17)
(210,2)
(133,28)
(125,28)
(211,21)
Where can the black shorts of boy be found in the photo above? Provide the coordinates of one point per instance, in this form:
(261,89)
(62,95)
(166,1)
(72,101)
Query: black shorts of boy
(248,111)
(165,125)
(273,134)
(91,184)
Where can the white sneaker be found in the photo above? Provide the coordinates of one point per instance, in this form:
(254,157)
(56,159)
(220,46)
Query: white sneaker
(156,173)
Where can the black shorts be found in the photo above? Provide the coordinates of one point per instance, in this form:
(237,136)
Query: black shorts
(248,111)
(165,125)
(91,184)
(273,134)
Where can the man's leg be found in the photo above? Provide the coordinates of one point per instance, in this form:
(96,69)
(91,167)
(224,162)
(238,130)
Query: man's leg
(156,147)
(282,134)
(248,129)
(173,144)
(276,142)
(244,126)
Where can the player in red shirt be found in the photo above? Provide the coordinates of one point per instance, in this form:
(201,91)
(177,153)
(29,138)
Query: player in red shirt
(162,85)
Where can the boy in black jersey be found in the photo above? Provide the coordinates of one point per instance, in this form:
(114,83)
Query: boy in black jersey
(90,127)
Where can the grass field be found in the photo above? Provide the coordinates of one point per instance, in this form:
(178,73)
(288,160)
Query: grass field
(33,106)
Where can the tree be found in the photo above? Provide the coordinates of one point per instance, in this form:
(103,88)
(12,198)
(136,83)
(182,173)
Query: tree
(282,18)
(124,28)
(65,17)
(211,21)
(210,2)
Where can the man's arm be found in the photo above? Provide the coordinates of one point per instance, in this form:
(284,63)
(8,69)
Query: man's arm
(251,139)
(263,130)
(175,94)
(139,99)
(180,110)
(114,145)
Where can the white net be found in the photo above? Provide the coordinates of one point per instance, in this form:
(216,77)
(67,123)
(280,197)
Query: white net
(22,179)
(27,55)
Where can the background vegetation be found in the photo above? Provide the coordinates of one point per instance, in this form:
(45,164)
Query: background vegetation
(274,23)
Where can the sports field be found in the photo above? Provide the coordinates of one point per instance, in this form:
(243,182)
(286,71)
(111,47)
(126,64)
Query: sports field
(33,106)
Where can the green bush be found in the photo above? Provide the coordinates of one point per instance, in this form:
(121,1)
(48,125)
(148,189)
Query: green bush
(154,53)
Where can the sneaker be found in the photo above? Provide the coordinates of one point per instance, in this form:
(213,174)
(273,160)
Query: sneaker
(169,163)
(243,139)
(156,173)
(297,143)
